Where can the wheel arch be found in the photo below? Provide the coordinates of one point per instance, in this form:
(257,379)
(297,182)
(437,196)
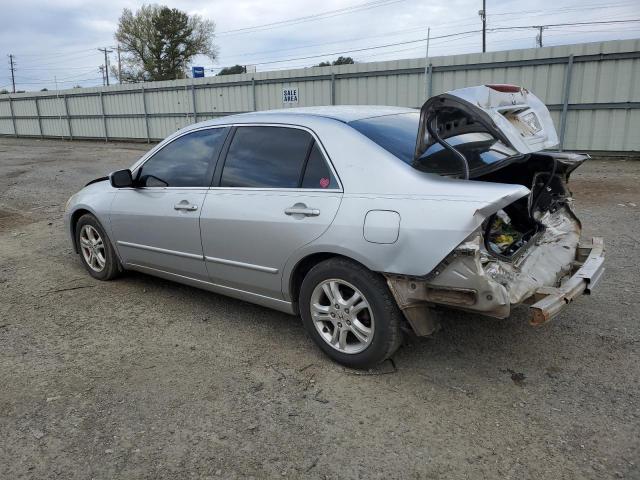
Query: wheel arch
(304,265)
(73,221)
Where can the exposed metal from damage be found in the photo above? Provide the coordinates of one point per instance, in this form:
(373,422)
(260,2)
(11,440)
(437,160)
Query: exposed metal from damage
(472,279)
(590,271)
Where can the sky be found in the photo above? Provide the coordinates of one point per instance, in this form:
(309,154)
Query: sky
(55,42)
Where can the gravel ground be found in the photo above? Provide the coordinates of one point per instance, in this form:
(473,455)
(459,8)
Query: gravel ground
(143,378)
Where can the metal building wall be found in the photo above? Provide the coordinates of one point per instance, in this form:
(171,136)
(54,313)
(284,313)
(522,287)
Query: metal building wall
(592,90)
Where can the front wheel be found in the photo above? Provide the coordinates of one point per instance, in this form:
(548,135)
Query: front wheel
(96,253)
(350,313)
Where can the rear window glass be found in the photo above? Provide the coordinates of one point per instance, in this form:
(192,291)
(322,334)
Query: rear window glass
(397,134)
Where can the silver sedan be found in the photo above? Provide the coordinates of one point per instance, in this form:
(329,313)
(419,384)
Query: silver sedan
(368,222)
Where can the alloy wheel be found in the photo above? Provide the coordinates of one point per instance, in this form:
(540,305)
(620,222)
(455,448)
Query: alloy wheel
(93,249)
(342,316)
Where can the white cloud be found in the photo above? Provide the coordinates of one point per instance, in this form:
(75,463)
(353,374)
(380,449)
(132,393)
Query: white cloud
(59,38)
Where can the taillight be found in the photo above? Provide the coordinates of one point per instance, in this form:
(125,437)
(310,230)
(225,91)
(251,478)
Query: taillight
(504,88)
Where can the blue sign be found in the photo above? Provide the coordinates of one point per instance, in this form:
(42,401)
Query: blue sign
(198,72)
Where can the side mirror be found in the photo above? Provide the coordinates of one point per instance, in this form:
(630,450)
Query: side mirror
(121,179)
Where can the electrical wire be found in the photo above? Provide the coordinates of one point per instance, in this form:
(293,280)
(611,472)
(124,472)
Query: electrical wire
(496,29)
(451,39)
(308,18)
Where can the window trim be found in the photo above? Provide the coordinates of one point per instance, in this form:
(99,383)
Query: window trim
(213,162)
(217,176)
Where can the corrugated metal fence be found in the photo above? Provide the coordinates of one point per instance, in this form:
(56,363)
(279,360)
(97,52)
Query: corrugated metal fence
(592,90)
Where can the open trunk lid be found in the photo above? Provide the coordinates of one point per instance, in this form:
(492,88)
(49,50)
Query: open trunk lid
(490,125)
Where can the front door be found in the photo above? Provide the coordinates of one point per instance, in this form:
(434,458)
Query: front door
(156,225)
(274,194)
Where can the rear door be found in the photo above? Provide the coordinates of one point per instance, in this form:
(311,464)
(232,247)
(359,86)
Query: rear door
(275,192)
(156,224)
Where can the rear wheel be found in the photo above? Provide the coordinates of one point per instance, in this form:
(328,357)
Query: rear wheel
(350,313)
(96,253)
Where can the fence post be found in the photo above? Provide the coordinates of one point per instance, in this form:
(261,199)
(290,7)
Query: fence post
(193,101)
(146,115)
(430,81)
(104,118)
(13,118)
(333,88)
(39,118)
(66,111)
(565,100)
(253,94)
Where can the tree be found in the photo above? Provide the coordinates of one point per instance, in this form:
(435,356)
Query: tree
(232,70)
(338,61)
(4,91)
(45,89)
(159,43)
(344,61)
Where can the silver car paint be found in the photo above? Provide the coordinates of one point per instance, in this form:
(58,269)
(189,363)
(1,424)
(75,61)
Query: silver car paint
(505,109)
(436,214)
(150,232)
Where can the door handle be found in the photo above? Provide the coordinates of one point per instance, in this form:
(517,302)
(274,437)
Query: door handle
(302,210)
(185,206)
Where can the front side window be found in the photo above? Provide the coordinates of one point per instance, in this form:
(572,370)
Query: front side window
(188,161)
(266,157)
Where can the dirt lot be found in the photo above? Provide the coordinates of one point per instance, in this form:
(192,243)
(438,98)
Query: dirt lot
(143,378)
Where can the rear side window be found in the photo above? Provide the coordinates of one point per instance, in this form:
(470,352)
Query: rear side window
(274,157)
(188,161)
(317,173)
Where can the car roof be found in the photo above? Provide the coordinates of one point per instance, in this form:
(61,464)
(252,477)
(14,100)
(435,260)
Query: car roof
(342,113)
(306,116)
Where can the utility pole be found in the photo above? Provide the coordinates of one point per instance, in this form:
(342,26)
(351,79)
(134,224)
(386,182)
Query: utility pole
(101,68)
(13,67)
(106,62)
(426,66)
(539,36)
(119,66)
(483,17)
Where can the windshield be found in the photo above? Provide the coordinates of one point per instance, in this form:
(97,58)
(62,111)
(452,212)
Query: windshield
(397,134)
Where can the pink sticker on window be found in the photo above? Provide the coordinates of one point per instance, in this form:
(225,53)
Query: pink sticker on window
(324,182)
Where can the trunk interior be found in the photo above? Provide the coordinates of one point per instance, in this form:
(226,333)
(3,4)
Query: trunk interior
(512,228)
(460,140)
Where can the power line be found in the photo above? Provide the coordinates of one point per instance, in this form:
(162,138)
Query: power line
(56,54)
(560,10)
(46,82)
(357,39)
(549,25)
(451,35)
(308,18)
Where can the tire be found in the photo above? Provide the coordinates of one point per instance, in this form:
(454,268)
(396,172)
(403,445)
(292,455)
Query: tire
(96,252)
(326,324)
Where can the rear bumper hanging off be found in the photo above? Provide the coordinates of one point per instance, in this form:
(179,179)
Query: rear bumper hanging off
(482,293)
(549,301)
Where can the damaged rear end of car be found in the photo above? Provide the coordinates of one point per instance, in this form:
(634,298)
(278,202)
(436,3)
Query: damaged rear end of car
(526,251)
